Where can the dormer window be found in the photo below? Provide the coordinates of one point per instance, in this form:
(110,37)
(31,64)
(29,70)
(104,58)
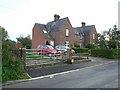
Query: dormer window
(44,31)
(67,32)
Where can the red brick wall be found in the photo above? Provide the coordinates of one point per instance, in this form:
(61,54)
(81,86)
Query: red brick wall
(77,40)
(37,37)
(60,37)
(89,38)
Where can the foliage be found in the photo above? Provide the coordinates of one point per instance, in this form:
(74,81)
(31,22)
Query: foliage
(12,70)
(109,39)
(91,46)
(4,33)
(116,53)
(102,41)
(107,53)
(12,67)
(80,50)
(9,51)
(25,41)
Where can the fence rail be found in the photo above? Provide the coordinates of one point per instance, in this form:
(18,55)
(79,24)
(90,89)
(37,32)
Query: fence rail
(32,54)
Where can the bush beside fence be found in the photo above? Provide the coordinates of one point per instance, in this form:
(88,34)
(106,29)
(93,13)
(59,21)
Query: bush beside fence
(107,53)
(80,50)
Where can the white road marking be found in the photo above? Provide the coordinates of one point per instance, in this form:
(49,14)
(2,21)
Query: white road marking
(52,75)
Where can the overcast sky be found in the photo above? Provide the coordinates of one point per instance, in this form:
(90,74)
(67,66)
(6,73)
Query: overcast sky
(19,16)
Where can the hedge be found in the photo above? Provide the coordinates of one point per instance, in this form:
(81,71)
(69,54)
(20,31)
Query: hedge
(116,53)
(107,53)
(80,50)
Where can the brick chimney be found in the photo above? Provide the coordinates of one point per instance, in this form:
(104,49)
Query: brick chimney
(83,24)
(56,17)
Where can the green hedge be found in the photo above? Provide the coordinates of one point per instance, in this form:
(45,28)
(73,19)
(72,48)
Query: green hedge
(80,50)
(116,53)
(12,70)
(107,53)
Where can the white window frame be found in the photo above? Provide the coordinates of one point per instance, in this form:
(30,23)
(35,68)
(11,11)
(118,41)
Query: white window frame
(52,43)
(67,43)
(44,31)
(81,36)
(93,36)
(67,32)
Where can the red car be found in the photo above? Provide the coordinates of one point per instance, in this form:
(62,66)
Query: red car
(46,50)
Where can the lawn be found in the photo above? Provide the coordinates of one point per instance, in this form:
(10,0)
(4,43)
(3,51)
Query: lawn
(35,56)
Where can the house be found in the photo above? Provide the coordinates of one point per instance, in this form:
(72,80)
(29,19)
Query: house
(85,35)
(57,32)
(60,32)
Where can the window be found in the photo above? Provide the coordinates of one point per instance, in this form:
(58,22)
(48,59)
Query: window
(81,44)
(67,43)
(44,31)
(93,36)
(52,43)
(81,36)
(67,32)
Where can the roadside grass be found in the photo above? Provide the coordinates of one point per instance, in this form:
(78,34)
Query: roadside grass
(13,70)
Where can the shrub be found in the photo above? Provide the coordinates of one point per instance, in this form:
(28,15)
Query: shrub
(107,53)
(12,67)
(12,70)
(91,46)
(116,53)
(80,50)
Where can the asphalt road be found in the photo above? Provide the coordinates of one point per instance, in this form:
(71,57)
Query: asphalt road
(36,72)
(96,76)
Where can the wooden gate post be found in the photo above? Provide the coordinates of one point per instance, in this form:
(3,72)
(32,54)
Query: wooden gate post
(69,56)
(23,57)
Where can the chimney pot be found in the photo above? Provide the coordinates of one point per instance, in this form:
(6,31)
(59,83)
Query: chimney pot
(83,24)
(56,17)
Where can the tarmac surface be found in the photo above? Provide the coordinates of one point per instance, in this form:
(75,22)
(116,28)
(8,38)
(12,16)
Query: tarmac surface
(36,72)
(99,73)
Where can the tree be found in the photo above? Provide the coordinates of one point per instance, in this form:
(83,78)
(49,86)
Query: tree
(3,33)
(114,37)
(12,67)
(110,39)
(25,41)
(9,52)
(101,40)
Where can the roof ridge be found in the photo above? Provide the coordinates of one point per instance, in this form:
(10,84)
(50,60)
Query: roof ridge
(58,20)
(87,26)
(40,24)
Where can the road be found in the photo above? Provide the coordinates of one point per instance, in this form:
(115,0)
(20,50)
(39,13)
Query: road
(96,76)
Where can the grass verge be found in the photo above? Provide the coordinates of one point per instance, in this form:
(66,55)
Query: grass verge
(13,70)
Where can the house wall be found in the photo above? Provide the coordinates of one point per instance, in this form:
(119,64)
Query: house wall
(93,41)
(89,38)
(86,40)
(79,41)
(37,37)
(61,35)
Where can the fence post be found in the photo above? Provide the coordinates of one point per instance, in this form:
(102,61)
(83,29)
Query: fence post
(69,56)
(23,57)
